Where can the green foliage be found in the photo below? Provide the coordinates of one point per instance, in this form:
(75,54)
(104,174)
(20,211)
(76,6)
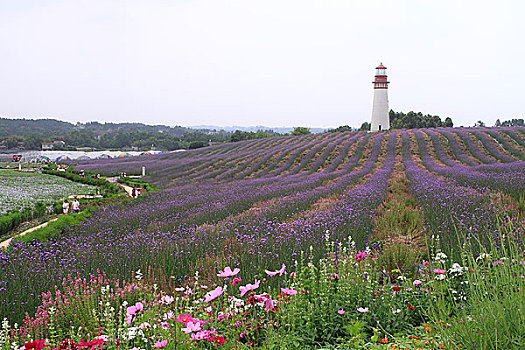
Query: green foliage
(106,188)
(56,227)
(29,134)
(13,219)
(413,120)
(511,122)
(137,183)
(342,301)
(301,130)
(365,126)
(239,135)
(198,144)
(340,129)
(485,309)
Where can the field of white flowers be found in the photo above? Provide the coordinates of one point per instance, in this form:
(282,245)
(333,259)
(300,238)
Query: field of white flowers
(20,189)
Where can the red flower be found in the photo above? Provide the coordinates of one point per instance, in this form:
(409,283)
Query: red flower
(217,340)
(35,345)
(396,288)
(92,344)
(411,307)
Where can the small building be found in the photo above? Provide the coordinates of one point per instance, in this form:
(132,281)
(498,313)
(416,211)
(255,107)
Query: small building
(48,146)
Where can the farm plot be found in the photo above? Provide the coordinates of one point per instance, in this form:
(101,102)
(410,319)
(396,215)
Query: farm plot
(257,204)
(19,189)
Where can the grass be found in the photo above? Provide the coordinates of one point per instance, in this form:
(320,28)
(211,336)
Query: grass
(57,227)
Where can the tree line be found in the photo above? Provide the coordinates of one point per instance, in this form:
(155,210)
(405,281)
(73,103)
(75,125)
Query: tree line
(413,120)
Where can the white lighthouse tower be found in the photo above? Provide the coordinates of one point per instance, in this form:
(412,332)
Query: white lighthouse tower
(380,117)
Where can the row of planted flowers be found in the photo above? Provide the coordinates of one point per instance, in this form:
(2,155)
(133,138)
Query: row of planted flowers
(343,300)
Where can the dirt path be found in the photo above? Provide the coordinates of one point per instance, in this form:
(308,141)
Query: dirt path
(126,188)
(5,243)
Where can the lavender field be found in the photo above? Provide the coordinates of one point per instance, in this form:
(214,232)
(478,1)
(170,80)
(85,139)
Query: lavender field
(258,204)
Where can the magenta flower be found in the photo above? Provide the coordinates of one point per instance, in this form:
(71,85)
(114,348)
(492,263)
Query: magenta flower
(160,344)
(341,312)
(439,271)
(248,287)
(289,291)
(228,272)
(280,271)
(360,256)
(213,294)
(235,281)
(184,319)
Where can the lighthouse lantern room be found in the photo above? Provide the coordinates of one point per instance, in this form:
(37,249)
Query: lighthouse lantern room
(380,117)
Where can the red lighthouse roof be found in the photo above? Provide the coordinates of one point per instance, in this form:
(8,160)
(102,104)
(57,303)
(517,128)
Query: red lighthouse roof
(381,66)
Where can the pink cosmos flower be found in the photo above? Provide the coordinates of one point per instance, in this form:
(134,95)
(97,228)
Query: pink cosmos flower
(280,271)
(248,287)
(228,272)
(439,271)
(132,310)
(213,294)
(426,263)
(362,309)
(166,299)
(199,335)
(269,304)
(160,344)
(235,281)
(191,327)
(416,283)
(184,319)
(341,312)
(289,291)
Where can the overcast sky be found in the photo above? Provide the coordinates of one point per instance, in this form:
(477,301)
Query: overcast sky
(272,63)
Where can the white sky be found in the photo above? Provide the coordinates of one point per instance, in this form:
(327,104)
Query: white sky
(272,63)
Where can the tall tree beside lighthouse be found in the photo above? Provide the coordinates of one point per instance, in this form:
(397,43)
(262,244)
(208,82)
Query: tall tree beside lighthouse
(380,118)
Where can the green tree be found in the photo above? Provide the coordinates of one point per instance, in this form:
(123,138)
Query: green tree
(365,126)
(448,123)
(301,130)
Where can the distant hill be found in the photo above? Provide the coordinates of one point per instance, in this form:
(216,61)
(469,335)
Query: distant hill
(23,127)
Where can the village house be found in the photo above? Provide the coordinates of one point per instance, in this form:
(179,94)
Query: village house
(48,146)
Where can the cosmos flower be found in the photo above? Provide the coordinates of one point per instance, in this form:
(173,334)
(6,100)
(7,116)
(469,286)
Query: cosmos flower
(276,272)
(211,295)
(289,291)
(248,287)
(228,272)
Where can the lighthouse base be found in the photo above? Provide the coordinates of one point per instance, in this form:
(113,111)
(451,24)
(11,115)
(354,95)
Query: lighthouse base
(380,117)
